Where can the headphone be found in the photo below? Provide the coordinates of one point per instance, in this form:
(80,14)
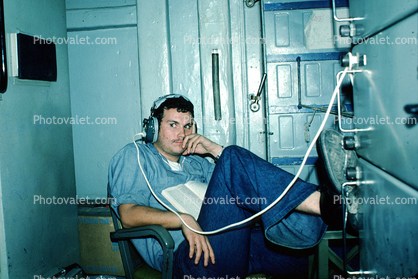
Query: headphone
(150,124)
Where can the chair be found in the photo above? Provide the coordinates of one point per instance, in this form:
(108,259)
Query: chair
(122,236)
(324,255)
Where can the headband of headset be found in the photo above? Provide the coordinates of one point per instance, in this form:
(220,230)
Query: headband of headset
(162,99)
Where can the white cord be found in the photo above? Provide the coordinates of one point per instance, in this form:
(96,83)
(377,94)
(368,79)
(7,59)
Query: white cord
(337,89)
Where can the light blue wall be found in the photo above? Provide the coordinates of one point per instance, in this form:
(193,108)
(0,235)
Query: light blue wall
(122,80)
(36,160)
(104,81)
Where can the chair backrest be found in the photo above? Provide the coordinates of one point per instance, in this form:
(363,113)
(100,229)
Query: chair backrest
(125,252)
(116,222)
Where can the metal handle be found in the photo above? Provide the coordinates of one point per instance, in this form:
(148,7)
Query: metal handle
(412,109)
(215,85)
(255,106)
(334,12)
(299,84)
(413,120)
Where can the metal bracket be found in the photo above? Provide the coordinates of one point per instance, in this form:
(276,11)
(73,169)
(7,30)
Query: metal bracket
(345,217)
(255,106)
(250,3)
(334,12)
(339,107)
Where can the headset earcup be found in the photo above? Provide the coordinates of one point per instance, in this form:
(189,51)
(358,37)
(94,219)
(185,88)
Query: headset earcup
(156,128)
(149,129)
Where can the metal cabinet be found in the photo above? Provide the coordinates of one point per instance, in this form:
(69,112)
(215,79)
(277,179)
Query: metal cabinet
(385,91)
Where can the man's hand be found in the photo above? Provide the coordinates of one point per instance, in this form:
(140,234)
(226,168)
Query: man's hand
(198,144)
(197,243)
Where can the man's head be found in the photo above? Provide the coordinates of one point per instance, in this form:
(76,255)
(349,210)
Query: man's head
(175,121)
(178,102)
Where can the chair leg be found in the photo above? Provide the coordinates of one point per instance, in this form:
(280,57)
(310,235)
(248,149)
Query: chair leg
(323,259)
(167,272)
(324,254)
(126,259)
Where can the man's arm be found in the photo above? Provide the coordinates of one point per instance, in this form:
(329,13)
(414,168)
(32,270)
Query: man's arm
(133,215)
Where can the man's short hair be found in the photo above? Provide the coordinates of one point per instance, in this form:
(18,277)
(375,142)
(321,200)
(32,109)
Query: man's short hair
(180,103)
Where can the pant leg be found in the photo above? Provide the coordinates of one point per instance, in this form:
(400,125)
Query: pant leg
(270,259)
(243,184)
(258,183)
(256,255)
(231,248)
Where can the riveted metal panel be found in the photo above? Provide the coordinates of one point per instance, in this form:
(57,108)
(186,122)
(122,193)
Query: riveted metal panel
(99,18)
(286,132)
(387,84)
(277,5)
(317,80)
(284,81)
(290,138)
(95,4)
(299,32)
(313,79)
(389,240)
(281,25)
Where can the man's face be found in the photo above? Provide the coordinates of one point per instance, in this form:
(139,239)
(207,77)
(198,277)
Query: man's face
(173,128)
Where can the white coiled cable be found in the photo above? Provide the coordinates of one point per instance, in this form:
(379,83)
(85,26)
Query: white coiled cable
(336,91)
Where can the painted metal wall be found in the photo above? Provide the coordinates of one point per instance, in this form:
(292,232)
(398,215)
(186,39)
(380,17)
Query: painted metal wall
(176,42)
(104,80)
(162,47)
(36,159)
(302,60)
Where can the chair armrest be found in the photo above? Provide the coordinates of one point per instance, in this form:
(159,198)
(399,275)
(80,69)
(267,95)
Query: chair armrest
(156,231)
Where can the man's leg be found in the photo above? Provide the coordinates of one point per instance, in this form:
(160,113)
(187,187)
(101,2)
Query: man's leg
(257,184)
(270,259)
(311,204)
(231,247)
(243,184)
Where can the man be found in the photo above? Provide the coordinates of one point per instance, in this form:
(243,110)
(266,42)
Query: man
(251,183)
